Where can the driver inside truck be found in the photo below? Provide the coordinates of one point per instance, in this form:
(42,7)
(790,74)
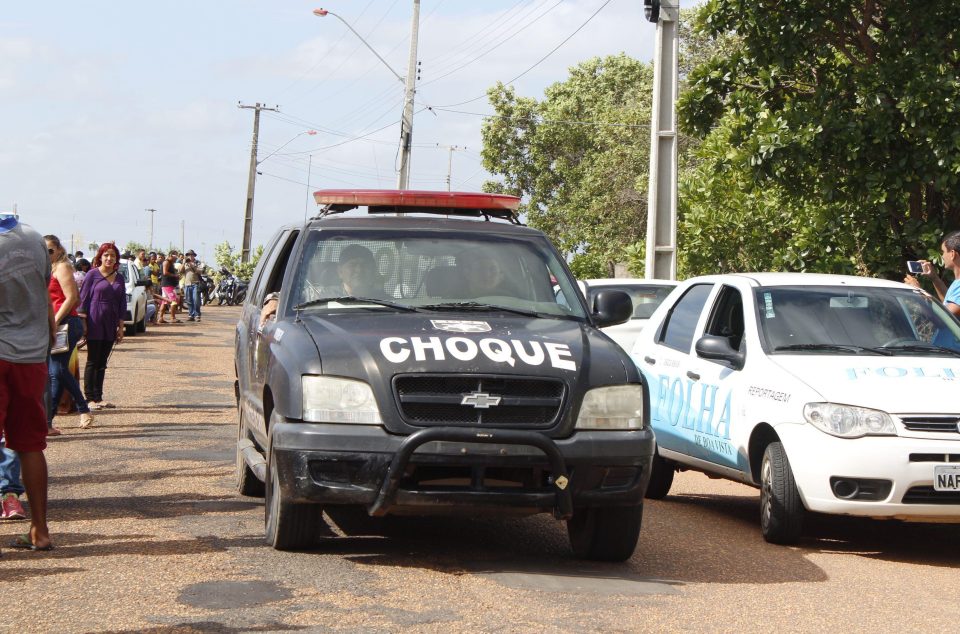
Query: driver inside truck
(359,277)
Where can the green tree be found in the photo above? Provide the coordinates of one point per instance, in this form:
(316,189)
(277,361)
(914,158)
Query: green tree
(579,158)
(225,257)
(134,246)
(830,135)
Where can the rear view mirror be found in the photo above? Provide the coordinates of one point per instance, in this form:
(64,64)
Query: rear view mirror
(611,307)
(718,348)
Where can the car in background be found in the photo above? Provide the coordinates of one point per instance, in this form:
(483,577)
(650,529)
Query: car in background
(646,295)
(136,318)
(830,393)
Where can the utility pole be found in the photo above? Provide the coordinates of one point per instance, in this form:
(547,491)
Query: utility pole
(406,130)
(183,241)
(661,260)
(150,241)
(450,150)
(251,179)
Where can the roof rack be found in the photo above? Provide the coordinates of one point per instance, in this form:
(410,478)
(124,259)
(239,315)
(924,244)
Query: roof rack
(379,201)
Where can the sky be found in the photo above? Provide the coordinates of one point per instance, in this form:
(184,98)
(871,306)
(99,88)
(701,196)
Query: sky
(112,108)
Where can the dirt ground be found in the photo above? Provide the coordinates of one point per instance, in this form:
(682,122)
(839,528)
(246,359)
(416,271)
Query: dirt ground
(151,537)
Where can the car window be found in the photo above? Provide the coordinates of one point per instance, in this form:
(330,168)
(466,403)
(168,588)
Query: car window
(418,269)
(814,317)
(678,329)
(726,320)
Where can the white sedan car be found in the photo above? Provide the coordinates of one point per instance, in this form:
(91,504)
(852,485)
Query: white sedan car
(136,318)
(646,296)
(832,394)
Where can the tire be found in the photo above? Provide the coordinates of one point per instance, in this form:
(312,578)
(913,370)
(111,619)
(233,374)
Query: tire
(141,325)
(288,525)
(129,330)
(247,482)
(219,299)
(781,509)
(605,534)
(661,478)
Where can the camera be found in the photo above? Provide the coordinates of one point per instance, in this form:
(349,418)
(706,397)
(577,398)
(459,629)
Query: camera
(914,266)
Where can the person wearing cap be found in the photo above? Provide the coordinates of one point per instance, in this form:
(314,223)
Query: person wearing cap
(191,284)
(26,336)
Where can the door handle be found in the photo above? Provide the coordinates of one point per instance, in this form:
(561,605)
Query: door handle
(650,360)
(693,375)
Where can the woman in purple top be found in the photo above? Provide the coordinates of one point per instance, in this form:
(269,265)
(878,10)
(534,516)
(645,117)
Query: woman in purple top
(103,302)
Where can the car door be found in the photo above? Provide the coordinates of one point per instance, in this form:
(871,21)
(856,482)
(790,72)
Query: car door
(716,387)
(262,335)
(665,366)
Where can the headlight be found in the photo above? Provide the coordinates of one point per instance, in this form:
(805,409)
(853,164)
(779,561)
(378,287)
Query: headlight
(847,421)
(615,407)
(333,400)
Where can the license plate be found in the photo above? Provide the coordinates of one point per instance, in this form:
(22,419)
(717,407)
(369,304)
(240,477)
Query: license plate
(946,478)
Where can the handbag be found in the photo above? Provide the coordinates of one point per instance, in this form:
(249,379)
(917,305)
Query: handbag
(62,343)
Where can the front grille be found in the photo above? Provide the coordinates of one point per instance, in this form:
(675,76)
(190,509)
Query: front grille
(940,424)
(935,457)
(928,495)
(437,399)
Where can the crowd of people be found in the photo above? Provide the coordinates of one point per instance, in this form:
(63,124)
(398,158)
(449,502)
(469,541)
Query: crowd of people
(53,304)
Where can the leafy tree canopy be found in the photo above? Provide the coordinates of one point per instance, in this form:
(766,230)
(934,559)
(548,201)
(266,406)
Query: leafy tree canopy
(830,134)
(579,157)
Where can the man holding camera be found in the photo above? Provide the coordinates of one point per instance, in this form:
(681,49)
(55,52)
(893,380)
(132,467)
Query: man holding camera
(191,284)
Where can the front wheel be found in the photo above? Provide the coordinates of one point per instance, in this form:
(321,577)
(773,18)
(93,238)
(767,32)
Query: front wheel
(605,534)
(246,480)
(781,509)
(661,478)
(289,525)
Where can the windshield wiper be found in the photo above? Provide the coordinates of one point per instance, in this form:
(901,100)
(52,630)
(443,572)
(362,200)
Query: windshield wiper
(921,347)
(351,299)
(477,306)
(833,347)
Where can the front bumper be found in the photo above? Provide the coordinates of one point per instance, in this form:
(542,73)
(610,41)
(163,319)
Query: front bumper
(454,469)
(907,463)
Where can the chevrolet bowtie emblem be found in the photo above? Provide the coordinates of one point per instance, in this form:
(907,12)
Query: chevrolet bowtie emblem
(480,400)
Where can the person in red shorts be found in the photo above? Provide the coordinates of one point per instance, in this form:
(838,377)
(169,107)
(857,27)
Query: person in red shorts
(26,336)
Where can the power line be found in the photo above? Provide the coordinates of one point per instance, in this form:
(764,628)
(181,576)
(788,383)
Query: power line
(539,61)
(496,46)
(540,120)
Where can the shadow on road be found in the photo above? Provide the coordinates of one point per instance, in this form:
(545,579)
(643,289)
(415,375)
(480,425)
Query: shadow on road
(148,506)
(887,540)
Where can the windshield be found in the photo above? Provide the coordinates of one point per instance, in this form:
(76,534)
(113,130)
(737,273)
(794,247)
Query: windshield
(645,297)
(433,272)
(824,319)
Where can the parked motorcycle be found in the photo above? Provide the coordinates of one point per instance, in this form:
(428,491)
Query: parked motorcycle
(207,288)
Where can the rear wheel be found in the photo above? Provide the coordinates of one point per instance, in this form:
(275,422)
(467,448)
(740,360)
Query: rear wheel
(661,478)
(246,480)
(605,534)
(289,525)
(142,324)
(781,509)
(130,330)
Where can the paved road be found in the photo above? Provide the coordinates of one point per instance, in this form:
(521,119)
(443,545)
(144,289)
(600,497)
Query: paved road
(151,537)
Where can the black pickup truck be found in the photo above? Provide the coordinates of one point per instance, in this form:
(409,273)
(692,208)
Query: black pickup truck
(424,352)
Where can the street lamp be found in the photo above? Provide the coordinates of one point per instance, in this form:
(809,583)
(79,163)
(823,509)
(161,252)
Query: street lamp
(406,131)
(310,132)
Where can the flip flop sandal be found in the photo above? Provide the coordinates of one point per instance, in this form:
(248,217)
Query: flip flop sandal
(23,542)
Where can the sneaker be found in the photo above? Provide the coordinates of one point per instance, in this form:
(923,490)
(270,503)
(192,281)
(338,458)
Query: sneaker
(198,317)
(86,420)
(190,319)
(107,405)
(95,405)
(12,509)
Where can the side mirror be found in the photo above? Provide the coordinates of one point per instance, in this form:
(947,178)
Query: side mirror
(612,307)
(718,348)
